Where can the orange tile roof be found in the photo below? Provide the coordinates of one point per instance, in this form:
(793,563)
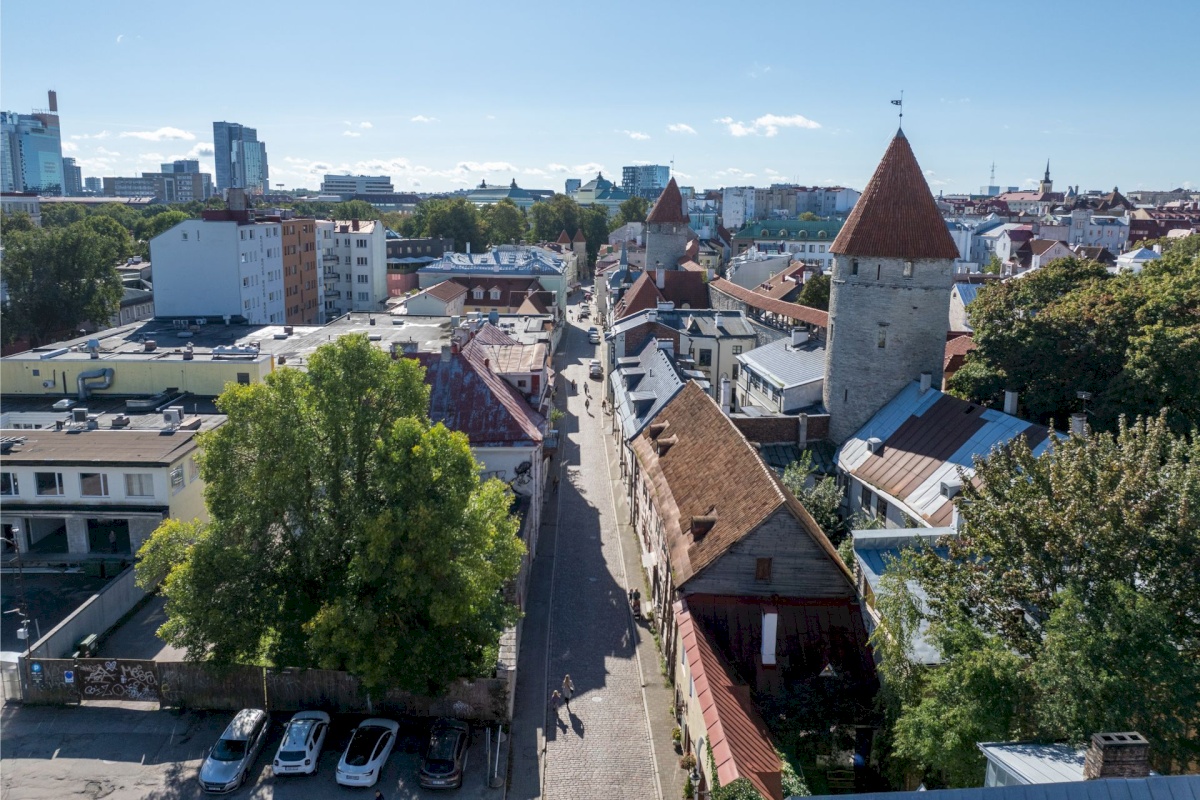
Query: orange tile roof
(741,744)
(794,311)
(579,237)
(563,238)
(447,290)
(669,207)
(896,216)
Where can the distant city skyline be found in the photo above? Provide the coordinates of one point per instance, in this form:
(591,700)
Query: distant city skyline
(541,96)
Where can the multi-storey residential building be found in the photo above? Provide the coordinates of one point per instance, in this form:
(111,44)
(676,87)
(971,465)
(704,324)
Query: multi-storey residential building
(14,203)
(226,265)
(302,277)
(31,157)
(165,187)
(144,186)
(241,159)
(72,178)
(645,180)
(807,241)
(182,182)
(555,271)
(354,265)
(737,206)
(348,185)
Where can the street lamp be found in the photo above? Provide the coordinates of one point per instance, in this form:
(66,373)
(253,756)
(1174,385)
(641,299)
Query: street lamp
(696,793)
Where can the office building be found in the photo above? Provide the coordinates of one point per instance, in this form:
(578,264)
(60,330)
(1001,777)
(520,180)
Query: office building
(184,165)
(348,185)
(645,180)
(165,187)
(31,151)
(72,178)
(93,185)
(572,185)
(241,159)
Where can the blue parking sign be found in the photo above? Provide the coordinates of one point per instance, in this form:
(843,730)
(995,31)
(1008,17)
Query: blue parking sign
(68,676)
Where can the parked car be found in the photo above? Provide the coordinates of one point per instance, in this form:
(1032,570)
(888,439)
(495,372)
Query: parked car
(227,764)
(446,756)
(303,739)
(369,747)
(595,370)
(594,335)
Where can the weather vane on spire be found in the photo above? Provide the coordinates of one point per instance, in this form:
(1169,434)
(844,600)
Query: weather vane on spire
(900,103)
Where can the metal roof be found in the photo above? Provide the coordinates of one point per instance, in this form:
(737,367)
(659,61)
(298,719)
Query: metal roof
(1160,787)
(655,380)
(1037,763)
(967,292)
(787,366)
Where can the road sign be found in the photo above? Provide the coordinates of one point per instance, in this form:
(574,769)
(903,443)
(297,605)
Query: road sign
(69,676)
(35,671)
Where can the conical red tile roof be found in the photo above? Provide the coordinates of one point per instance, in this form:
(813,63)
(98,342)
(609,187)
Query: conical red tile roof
(563,238)
(896,216)
(579,237)
(669,207)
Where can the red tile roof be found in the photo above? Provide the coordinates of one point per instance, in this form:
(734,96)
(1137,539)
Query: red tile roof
(793,311)
(579,237)
(669,207)
(563,238)
(684,288)
(896,216)
(446,290)
(741,744)
(467,396)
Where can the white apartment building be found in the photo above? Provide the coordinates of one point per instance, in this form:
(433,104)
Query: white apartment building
(224,265)
(354,263)
(737,206)
(357,184)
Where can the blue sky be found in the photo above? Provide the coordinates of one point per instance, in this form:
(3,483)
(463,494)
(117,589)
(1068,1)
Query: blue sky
(442,95)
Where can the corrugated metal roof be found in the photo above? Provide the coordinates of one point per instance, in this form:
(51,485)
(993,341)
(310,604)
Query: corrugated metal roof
(787,366)
(967,292)
(1160,787)
(1037,763)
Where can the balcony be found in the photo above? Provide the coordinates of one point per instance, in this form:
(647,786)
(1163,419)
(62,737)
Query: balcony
(329,259)
(333,293)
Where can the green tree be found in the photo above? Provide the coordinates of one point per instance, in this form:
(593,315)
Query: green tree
(60,215)
(162,222)
(111,230)
(347,531)
(632,210)
(740,789)
(593,220)
(815,292)
(993,266)
(808,216)
(128,217)
(457,219)
(822,498)
(16,223)
(59,278)
(504,223)
(354,209)
(559,213)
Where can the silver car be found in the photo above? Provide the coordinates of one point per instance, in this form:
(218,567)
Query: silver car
(228,763)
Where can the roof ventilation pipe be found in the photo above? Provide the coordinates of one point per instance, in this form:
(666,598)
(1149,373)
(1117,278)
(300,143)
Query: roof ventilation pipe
(81,381)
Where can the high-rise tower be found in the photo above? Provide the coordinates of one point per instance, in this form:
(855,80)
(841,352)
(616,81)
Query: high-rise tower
(666,229)
(240,158)
(889,302)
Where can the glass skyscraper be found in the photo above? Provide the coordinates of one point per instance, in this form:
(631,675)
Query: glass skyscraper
(31,151)
(241,159)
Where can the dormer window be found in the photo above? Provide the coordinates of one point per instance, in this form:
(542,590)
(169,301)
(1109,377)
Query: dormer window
(477,293)
(495,294)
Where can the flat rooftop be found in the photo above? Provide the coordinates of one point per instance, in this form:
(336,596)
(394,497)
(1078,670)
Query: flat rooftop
(80,445)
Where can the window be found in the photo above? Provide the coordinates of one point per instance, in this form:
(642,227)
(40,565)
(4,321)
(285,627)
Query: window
(93,484)
(881,337)
(361,243)
(878,271)
(737,349)
(364,296)
(243,378)
(865,498)
(908,269)
(762,569)
(881,507)
(495,294)
(176,479)
(48,483)
(364,279)
(854,266)
(362,261)
(8,484)
(477,293)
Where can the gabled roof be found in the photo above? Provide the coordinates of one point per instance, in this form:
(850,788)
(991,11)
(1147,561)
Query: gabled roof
(490,334)
(967,292)
(446,290)
(467,396)
(793,311)
(927,438)
(642,295)
(780,285)
(785,365)
(896,216)
(1040,246)
(741,743)
(692,478)
(669,206)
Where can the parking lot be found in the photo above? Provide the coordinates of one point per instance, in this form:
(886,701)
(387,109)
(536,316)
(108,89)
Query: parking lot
(117,753)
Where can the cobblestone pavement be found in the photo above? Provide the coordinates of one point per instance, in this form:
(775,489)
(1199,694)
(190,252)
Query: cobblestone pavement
(600,746)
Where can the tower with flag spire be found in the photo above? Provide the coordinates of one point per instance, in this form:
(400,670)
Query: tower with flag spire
(1046,186)
(889,301)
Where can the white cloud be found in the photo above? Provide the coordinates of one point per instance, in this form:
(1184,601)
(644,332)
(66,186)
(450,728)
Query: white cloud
(351,133)
(102,151)
(120,36)
(558,168)
(733,172)
(69,147)
(423,118)
(159,135)
(587,168)
(100,135)
(201,149)
(636,135)
(767,124)
(534,171)
(490,116)
(680,127)
(685,176)
(365,124)
(485,166)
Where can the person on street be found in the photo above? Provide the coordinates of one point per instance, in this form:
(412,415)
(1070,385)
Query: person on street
(555,701)
(378,795)
(587,405)
(568,690)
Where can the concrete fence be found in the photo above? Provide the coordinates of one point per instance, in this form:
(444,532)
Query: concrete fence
(97,615)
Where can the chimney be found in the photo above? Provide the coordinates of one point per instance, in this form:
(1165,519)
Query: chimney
(1117,755)
(454,347)
(660,278)
(1079,424)
(652,315)
(445,352)
(926,381)
(701,525)
(52,96)
(353,224)
(468,247)
(665,443)
(717,320)
(770,627)
(799,336)
(726,396)
(236,199)
(656,429)
(1010,402)
(666,344)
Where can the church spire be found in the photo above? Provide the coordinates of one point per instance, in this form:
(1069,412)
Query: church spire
(1047,178)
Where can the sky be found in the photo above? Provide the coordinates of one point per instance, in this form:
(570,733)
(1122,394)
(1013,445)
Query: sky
(443,95)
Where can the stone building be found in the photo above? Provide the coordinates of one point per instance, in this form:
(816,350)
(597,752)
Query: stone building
(889,302)
(667,230)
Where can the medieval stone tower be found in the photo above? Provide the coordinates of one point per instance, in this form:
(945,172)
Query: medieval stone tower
(666,229)
(889,303)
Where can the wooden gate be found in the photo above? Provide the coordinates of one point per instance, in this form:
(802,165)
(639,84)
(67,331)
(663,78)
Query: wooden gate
(117,679)
(49,680)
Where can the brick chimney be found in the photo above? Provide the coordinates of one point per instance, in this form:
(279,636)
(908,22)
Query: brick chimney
(701,525)
(1117,755)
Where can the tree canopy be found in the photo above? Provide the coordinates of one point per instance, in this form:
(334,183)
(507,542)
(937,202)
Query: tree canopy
(354,209)
(1130,341)
(347,531)
(1068,605)
(504,223)
(632,210)
(59,278)
(815,292)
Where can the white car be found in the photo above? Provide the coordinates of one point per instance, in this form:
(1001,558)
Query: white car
(227,764)
(303,739)
(367,752)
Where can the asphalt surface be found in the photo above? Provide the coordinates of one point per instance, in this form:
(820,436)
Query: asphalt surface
(50,598)
(48,753)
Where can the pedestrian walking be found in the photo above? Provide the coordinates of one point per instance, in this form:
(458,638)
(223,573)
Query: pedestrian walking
(568,690)
(586,391)
(378,795)
(555,701)
(587,405)
(574,387)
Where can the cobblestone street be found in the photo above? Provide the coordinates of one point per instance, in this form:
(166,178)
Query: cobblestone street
(601,745)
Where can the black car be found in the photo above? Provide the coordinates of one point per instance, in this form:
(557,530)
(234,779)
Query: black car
(446,757)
